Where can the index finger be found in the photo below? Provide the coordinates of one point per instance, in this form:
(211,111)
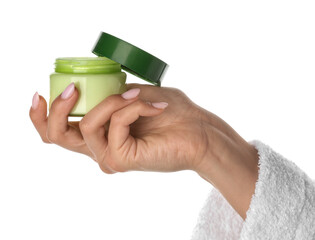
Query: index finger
(92,125)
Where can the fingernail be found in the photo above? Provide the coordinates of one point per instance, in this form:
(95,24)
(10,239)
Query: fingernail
(35,101)
(68,91)
(130,94)
(160,105)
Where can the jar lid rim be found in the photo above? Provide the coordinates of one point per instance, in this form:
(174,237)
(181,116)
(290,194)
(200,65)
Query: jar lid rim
(132,59)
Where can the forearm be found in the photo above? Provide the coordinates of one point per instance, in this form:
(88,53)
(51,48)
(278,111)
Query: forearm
(232,168)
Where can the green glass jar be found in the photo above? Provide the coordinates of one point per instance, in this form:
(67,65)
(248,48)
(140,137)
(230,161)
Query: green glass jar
(95,78)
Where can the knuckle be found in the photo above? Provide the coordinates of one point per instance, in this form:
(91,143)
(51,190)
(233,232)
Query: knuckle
(54,105)
(111,100)
(35,119)
(117,117)
(45,140)
(139,105)
(112,164)
(85,127)
(52,136)
(105,169)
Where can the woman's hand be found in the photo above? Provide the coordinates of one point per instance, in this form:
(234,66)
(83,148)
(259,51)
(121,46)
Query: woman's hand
(142,135)
(153,129)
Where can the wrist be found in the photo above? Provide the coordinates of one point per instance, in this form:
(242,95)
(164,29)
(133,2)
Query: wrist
(231,167)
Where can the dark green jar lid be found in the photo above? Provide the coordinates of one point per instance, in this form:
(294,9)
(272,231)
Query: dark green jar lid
(131,58)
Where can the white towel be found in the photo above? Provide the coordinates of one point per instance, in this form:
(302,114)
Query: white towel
(282,207)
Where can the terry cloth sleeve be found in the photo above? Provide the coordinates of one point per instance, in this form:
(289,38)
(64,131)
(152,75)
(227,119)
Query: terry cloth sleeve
(282,207)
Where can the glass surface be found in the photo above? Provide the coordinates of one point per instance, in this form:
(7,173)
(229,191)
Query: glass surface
(92,87)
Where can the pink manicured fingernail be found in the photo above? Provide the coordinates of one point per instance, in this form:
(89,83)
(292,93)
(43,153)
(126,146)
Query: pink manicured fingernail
(68,91)
(130,94)
(160,105)
(35,101)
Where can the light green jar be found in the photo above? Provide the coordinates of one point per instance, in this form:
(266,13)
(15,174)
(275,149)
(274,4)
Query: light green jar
(95,78)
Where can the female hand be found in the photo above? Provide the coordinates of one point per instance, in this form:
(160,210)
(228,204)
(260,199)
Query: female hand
(158,130)
(140,136)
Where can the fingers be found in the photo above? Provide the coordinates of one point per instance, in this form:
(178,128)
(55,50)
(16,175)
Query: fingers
(55,128)
(38,115)
(149,92)
(92,125)
(58,129)
(59,111)
(160,94)
(118,136)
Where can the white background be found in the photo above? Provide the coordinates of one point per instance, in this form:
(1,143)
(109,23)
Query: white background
(250,62)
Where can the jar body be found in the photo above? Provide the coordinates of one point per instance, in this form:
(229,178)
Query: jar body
(93,88)
(94,82)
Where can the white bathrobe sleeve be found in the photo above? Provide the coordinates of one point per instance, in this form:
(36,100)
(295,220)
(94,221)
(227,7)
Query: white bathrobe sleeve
(282,207)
